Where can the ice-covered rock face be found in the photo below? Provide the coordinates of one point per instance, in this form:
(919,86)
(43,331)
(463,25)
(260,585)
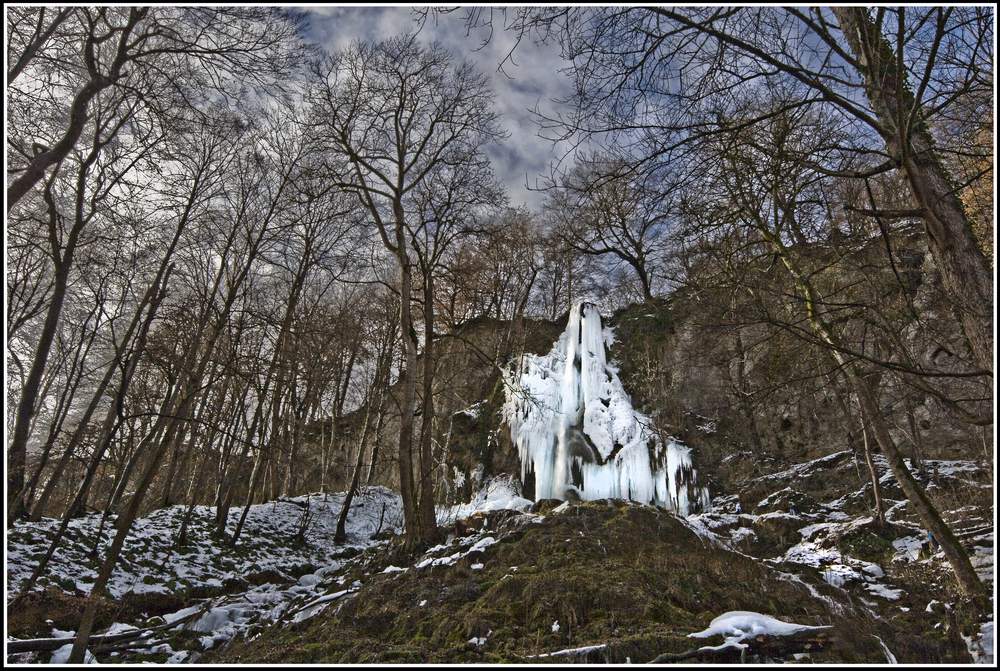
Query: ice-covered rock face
(578,435)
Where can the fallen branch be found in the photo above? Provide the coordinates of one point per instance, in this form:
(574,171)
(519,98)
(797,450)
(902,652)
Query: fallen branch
(763,645)
(49,644)
(125,646)
(913,213)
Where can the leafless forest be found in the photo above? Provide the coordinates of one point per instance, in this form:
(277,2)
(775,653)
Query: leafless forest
(243,267)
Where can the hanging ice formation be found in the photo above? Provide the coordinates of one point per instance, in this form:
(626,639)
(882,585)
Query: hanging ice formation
(578,435)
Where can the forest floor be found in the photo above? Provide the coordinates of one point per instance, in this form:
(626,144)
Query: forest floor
(211,589)
(516,582)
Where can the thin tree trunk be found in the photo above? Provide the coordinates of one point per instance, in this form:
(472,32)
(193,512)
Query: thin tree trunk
(123,526)
(379,388)
(377,440)
(17,451)
(380,418)
(918,458)
(341,534)
(873,477)
(428,519)
(968,581)
(876,489)
(159,283)
(115,416)
(112,420)
(23,502)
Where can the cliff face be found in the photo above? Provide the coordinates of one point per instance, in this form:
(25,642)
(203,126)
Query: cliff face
(747,402)
(756,400)
(741,415)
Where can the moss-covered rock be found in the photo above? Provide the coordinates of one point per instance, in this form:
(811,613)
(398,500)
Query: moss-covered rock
(633,579)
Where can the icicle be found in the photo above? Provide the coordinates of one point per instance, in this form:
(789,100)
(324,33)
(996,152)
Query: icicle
(576,430)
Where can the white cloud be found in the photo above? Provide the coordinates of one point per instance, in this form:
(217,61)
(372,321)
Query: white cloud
(532,79)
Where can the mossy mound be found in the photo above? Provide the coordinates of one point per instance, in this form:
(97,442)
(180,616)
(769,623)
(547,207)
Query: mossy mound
(632,579)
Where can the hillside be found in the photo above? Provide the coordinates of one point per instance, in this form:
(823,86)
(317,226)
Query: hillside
(515,580)
(594,581)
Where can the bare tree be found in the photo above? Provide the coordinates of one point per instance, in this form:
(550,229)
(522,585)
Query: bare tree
(652,82)
(119,58)
(397,113)
(759,183)
(601,210)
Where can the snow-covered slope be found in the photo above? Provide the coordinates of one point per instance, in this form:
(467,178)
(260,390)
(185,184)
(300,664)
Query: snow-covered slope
(154,562)
(286,568)
(577,433)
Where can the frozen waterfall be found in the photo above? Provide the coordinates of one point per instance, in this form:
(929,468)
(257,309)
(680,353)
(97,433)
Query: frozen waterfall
(578,434)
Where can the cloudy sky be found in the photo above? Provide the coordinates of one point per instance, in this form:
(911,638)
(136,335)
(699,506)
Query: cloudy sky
(532,80)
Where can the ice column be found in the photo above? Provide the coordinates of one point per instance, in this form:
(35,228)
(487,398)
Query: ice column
(578,435)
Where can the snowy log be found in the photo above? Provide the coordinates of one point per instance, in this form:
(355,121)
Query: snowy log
(49,644)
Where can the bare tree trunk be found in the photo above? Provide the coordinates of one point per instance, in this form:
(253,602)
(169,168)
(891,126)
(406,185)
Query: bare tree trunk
(376,442)
(965,273)
(273,373)
(133,460)
(341,535)
(17,450)
(380,418)
(159,283)
(175,465)
(290,481)
(428,518)
(968,581)
(873,477)
(408,383)
(180,455)
(23,502)
(377,390)
(640,270)
(876,488)
(322,459)
(225,468)
(123,525)
(259,466)
(917,453)
(154,295)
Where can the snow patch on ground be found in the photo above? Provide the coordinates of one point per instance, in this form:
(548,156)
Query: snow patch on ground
(739,625)
(153,562)
(267,548)
(499,493)
(480,545)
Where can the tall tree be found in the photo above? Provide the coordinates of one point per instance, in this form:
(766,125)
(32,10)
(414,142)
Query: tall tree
(396,113)
(652,82)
